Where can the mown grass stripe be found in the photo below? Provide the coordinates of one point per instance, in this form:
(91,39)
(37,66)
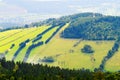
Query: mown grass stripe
(1,39)
(17,38)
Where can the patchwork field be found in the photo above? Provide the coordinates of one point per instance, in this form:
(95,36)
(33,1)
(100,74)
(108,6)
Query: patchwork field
(68,56)
(65,53)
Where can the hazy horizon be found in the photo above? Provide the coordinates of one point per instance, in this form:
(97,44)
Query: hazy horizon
(27,11)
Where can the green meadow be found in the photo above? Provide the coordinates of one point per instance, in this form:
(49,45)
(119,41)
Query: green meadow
(63,51)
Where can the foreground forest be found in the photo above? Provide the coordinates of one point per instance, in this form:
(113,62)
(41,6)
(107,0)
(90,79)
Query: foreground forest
(26,71)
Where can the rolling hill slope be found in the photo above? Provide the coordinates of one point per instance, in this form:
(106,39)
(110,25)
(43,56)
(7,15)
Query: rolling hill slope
(58,42)
(61,51)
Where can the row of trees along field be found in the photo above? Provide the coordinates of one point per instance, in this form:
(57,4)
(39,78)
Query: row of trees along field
(27,71)
(21,46)
(30,48)
(110,54)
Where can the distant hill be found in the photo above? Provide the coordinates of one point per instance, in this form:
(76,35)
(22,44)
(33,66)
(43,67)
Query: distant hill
(8,25)
(93,28)
(88,26)
(65,19)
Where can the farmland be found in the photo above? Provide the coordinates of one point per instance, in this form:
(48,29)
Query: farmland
(113,64)
(66,53)
(16,37)
(68,56)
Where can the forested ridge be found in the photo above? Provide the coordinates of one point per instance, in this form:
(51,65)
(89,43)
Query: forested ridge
(94,28)
(88,26)
(27,71)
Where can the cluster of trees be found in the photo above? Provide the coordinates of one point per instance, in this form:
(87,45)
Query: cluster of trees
(87,49)
(60,26)
(45,31)
(47,59)
(84,25)
(110,54)
(21,46)
(64,19)
(9,49)
(27,71)
(37,38)
(30,49)
(93,28)
(51,21)
(12,46)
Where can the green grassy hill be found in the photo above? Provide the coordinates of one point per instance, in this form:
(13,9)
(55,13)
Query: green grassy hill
(48,44)
(62,51)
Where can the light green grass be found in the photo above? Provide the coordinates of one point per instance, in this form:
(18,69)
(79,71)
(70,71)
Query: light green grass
(113,64)
(44,38)
(60,49)
(33,35)
(29,33)
(16,39)
(9,32)
(77,59)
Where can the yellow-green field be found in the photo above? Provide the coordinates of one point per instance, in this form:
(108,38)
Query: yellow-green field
(114,63)
(61,50)
(75,59)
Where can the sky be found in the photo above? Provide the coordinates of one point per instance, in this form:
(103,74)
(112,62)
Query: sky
(55,8)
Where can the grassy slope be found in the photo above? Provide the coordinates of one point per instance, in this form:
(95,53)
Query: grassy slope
(77,59)
(6,37)
(60,49)
(35,51)
(28,33)
(44,37)
(5,33)
(114,63)
(16,39)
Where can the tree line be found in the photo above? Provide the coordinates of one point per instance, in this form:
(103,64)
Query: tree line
(21,46)
(93,28)
(60,26)
(30,48)
(110,54)
(9,70)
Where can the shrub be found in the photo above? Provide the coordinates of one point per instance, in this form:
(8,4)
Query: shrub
(87,49)
(48,59)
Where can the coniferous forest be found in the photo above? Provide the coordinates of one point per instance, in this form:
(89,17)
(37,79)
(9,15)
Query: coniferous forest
(10,70)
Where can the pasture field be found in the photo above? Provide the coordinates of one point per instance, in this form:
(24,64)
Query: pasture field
(65,52)
(114,63)
(44,37)
(67,56)
(8,33)
(24,34)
